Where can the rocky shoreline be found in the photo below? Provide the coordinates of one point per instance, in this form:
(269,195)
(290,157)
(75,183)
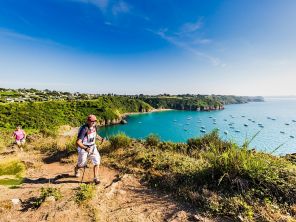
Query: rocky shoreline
(122,117)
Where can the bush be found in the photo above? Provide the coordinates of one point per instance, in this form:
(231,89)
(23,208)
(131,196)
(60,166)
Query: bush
(85,192)
(205,142)
(120,140)
(152,140)
(5,138)
(49,132)
(47,192)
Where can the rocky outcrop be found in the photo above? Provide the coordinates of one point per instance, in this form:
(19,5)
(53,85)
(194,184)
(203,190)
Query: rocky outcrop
(210,108)
(291,157)
(120,120)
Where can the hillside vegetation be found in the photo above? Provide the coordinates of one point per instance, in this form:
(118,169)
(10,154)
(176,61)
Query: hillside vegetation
(62,110)
(196,102)
(51,114)
(217,177)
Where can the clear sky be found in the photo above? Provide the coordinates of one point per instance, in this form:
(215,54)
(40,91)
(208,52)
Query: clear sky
(240,47)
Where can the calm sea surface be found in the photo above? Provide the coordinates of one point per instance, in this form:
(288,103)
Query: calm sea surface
(235,122)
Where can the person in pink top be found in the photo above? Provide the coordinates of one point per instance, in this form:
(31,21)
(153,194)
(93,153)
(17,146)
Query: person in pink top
(20,137)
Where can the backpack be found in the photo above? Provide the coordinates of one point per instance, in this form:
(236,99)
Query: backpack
(86,126)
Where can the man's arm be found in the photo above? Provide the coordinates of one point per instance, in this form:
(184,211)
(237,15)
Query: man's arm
(100,138)
(80,144)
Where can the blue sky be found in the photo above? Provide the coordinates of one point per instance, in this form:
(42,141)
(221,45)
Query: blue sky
(240,47)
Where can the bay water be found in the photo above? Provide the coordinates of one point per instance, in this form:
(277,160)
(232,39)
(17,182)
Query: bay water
(273,122)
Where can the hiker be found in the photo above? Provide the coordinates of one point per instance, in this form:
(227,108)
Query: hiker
(20,137)
(87,148)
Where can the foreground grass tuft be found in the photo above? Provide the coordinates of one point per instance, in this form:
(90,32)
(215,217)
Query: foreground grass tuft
(11,172)
(47,192)
(84,193)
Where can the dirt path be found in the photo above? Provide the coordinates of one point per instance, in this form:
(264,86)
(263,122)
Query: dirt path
(117,198)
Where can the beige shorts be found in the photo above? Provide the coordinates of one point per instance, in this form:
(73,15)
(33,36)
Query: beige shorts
(83,155)
(20,142)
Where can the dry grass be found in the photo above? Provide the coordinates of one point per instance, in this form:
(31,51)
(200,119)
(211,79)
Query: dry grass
(217,177)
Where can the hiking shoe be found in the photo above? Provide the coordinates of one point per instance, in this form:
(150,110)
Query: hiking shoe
(97,181)
(76,172)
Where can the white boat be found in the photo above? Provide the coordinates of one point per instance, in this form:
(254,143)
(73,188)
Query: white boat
(202,130)
(287,124)
(203,127)
(237,131)
(225,132)
(245,124)
(282,132)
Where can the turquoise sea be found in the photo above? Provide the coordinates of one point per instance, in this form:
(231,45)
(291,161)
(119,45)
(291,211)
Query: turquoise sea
(236,122)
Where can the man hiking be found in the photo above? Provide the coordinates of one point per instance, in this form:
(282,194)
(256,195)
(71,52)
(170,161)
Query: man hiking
(20,137)
(87,148)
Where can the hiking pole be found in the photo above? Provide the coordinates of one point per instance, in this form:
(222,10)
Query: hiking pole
(83,173)
(88,155)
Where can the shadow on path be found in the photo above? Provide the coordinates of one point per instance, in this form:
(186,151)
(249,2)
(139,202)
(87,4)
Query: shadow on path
(54,180)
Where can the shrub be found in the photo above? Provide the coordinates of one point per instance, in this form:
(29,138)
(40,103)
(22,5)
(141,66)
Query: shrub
(152,140)
(85,192)
(205,142)
(120,140)
(49,132)
(5,138)
(71,146)
(47,192)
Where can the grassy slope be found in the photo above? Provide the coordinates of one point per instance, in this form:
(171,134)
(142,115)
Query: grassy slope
(218,177)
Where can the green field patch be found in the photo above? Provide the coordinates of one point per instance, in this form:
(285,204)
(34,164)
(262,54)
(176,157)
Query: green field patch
(11,172)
